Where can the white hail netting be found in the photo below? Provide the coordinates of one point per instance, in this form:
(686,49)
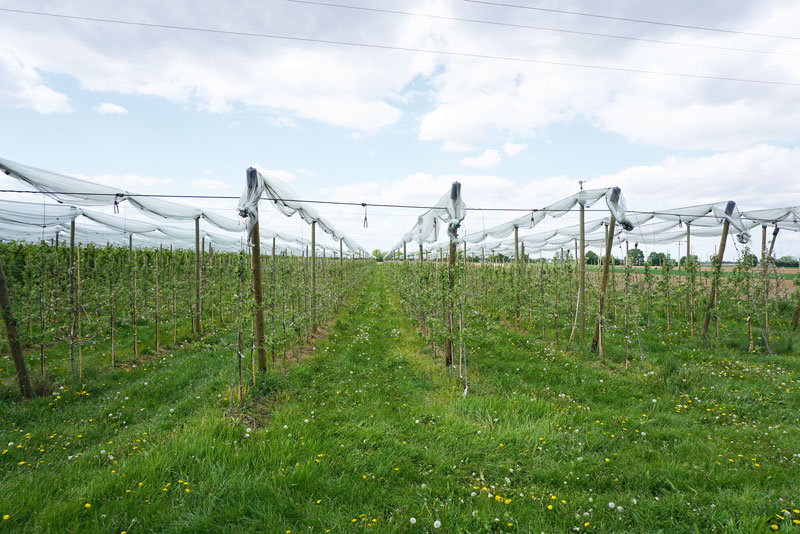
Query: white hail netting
(36,221)
(450,209)
(783,218)
(287,202)
(703,221)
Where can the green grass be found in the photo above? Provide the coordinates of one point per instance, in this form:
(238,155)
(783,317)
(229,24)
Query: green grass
(369,431)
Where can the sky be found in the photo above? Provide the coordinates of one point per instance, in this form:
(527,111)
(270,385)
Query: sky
(168,111)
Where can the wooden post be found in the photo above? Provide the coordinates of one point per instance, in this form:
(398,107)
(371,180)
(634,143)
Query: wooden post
(313,276)
(603,284)
(255,237)
(582,279)
(421,255)
(174,297)
(73,301)
(690,263)
(765,260)
(111,310)
(197,276)
(712,298)
(341,253)
(78,307)
(449,354)
(158,265)
(23,379)
(516,272)
(134,310)
(404,251)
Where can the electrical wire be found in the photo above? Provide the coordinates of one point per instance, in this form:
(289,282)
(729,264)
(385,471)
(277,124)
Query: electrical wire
(408,49)
(540,28)
(639,21)
(332,202)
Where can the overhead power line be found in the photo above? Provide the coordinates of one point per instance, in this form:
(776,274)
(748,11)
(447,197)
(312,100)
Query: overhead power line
(539,28)
(625,19)
(407,49)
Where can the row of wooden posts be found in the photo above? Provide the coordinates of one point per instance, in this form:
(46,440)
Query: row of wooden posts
(596,341)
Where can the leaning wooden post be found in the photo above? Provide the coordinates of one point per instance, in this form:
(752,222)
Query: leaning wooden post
(23,379)
(313,276)
(712,298)
(197,276)
(582,278)
(603,284)
(766,261)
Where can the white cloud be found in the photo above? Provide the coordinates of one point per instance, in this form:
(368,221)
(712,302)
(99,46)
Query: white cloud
(285,176)
(352,88)
(210,185)
(452,146)
(489,158)
(307,172)
(135,183)
(511,149)
(107,108)
(23,87)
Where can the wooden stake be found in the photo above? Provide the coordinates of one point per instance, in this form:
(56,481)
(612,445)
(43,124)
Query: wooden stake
(80,322)
(603,283)
(582,279)
(158,265)
(712,298)
(196,307)
(73,302)
(313,276)
(257,287)
(111,309)
(23,380)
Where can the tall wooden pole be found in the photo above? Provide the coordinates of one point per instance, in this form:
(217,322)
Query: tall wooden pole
(158,266)
(582,279)
(712,298)
(258,290)
(197,276)
(73,301)
(23,379)
(455,192)
(603,283)
(421,256)
(690,263)
(313,276)
(404,251)
(341,253)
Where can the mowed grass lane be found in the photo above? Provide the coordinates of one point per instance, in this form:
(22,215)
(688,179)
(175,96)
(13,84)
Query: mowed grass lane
(369,432)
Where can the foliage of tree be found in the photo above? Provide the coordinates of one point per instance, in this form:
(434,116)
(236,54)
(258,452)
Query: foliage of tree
(636,255)
(787,261)
(592,258)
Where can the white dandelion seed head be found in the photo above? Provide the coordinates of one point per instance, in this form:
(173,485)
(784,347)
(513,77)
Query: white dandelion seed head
(437,524)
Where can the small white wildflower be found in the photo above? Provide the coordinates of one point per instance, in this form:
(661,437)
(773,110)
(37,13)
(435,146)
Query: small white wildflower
(413,520)
(437,524)
(611,505)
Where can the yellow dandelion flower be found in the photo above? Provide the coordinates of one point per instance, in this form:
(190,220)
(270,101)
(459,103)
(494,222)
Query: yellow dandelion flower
(6,516)
(549,506)
(87,505)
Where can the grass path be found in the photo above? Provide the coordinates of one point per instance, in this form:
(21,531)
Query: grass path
(369,432)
